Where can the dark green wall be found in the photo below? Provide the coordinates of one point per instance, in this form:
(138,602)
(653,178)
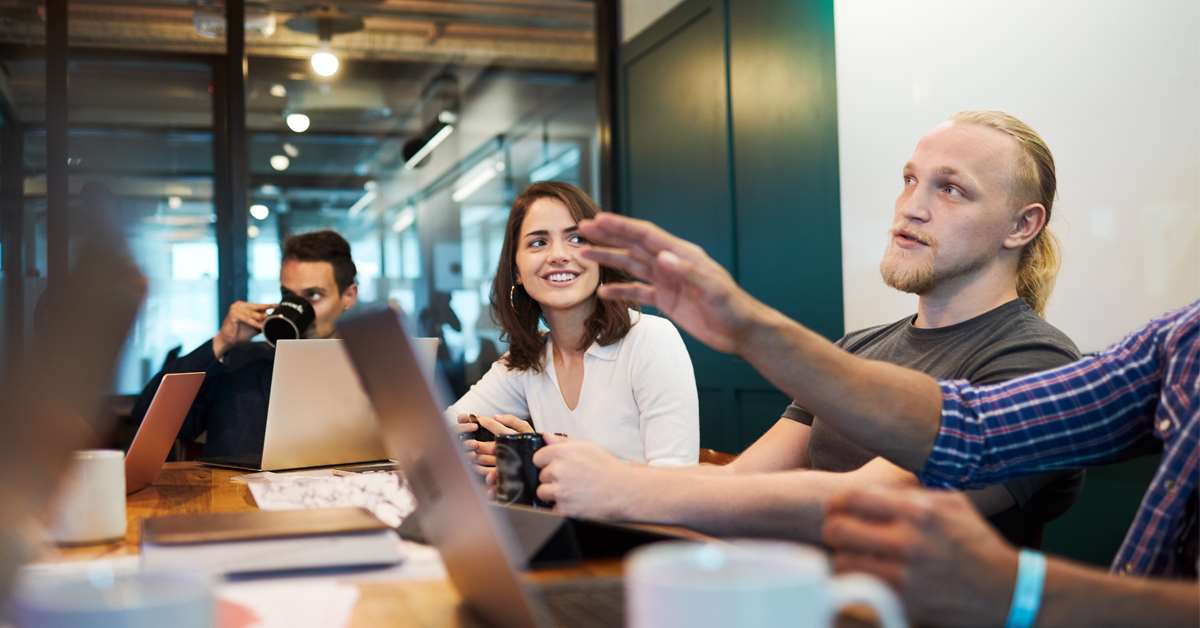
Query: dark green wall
(729,139)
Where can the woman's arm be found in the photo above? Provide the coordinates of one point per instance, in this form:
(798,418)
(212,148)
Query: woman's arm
(499,391)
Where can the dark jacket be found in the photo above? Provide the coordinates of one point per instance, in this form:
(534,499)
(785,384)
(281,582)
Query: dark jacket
(232,403)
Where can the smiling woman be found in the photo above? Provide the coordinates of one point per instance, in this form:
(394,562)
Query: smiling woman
(540,241)
(603,372)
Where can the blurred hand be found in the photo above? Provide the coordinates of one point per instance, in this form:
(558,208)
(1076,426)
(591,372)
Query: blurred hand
(583,479)
(467,424)
(242,322)
(502,424)
(948,565)
(682,280)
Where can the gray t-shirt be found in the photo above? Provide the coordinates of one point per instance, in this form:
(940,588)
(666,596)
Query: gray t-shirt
(998,345)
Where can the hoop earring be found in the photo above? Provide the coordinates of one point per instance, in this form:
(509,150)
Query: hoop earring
(512,293)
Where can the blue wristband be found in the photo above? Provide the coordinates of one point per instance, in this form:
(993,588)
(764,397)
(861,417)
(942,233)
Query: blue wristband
(1027,595)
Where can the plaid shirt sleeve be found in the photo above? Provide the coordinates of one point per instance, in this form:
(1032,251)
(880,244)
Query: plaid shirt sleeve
(1088,412)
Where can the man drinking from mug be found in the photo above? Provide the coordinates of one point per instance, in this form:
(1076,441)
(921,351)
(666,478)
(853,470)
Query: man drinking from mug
(232,404)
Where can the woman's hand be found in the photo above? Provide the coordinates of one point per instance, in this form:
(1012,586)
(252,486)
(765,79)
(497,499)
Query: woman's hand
(482,453)
(502,424)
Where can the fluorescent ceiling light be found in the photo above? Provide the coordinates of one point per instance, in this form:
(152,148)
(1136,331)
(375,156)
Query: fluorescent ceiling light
(555,167)
(404,220)
(476,178)
(366,199)
(433,142)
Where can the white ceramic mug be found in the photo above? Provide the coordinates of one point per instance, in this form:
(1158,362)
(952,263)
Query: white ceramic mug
(91,500)
(100,597)
(749,584)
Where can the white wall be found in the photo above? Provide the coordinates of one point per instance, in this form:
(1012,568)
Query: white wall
(1113,87)
(637,15)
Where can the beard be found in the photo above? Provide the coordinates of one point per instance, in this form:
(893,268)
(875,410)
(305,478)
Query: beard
(921,276)
(914,277)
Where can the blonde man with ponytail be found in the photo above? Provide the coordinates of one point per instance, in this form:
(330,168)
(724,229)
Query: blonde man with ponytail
(969,238)
(1035,182)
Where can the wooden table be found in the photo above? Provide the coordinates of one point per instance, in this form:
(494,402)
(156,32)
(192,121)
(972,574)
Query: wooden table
(185,487)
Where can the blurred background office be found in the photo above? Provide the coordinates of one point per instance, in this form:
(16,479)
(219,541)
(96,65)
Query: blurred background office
(772,132)
(406,126)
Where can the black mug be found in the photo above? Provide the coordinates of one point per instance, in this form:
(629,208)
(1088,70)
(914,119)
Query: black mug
(516,475)
(290,319)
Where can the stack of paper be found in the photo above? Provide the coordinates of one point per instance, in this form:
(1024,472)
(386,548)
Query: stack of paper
(384,493)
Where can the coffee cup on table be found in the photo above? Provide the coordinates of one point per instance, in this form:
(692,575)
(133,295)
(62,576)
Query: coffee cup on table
(90,506)
(101,596)
(748,584)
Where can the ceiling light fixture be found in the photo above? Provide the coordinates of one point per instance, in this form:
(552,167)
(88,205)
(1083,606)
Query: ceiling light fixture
(174,202)
(297,122)
(479,176)
(555,167)
(260,211)
(363,201)
(278,90)
(325,21)
(436,134)
(280,162)
(404,220)
(324,62)
(291,150)
(431,144)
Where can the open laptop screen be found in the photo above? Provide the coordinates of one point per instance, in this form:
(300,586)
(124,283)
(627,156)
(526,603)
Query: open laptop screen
(478,549)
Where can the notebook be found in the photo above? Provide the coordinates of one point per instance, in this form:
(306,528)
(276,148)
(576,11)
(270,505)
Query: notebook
(268,541)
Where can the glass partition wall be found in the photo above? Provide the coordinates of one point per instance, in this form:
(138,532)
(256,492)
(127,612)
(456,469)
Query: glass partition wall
(412,147)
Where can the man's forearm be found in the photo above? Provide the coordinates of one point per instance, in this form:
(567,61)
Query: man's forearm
(787,505)
(888,409)
(1083,596)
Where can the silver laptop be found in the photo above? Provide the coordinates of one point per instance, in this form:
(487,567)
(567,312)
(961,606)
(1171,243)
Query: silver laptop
(318,414)
(479,549)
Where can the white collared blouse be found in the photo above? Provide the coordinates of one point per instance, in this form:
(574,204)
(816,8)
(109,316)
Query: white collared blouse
(638,398)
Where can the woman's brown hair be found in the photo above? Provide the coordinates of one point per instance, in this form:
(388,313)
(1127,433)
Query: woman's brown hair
(518,314)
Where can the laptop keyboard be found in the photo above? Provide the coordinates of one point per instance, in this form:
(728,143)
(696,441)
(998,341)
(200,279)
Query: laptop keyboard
(586,602)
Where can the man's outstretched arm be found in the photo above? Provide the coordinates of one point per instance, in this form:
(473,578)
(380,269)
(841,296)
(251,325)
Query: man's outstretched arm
(582,479)
(886,408)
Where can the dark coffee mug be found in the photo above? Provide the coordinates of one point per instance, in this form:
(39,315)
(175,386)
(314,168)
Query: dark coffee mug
(516,475)
(290,319)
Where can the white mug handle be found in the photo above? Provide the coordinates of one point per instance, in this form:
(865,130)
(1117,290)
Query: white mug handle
(863,589)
